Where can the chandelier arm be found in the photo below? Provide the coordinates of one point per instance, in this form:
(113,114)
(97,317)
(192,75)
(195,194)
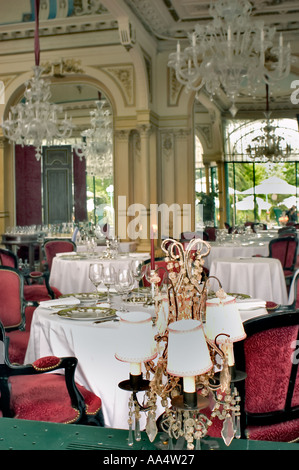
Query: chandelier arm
(36,33)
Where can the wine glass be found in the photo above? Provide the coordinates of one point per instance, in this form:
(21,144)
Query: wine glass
(96,275)
(148,273)
(108,279)
(137,272)
(124,283)
(91,245)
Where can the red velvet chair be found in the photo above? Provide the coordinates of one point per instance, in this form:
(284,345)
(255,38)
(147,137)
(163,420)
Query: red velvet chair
(161,268)
(270,394)
(13,312)
(57,245)
(33,290)
(31,392)
(285,249)
(294,292)
(187,236)
(211,232)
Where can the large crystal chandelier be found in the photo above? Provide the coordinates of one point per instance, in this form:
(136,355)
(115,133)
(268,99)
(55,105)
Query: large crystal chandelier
(97,142)
(232,54)
(268,146)
(36,121)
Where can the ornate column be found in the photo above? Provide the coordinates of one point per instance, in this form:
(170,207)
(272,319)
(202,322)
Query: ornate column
(184,178)
(142,195)
(121,182)
(3,187)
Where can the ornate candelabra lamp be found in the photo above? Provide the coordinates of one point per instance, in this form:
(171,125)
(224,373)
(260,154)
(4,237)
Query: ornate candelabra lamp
(193,373)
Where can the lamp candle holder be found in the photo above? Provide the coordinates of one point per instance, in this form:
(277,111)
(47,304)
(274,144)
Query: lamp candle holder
(135,384)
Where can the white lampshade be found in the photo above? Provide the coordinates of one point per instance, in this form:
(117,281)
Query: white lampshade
(223,317)
(188,352)
(136,338)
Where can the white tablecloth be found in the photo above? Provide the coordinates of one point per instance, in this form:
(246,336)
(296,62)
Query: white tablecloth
(71,275)
(94,346)
(232,250)
(124,247)
(261,278)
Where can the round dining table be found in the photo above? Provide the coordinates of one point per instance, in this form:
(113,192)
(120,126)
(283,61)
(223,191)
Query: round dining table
(70,271)
(237,249)
(261,278)
(95,345)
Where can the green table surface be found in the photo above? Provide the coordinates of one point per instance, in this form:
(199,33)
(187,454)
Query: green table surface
(35,435)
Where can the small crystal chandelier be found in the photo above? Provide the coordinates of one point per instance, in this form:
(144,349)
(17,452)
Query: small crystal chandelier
(35,121)
(231,54)
(188,356)
(268,147)
(97,142)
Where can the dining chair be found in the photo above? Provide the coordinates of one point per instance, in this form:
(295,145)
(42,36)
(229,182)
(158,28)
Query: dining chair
(36,286)
(185,237)
(270,393)
(287,231)
(53,246)
(160,267)
(211,232)
(13,312)
(294,292)
(285,249)
(39,392)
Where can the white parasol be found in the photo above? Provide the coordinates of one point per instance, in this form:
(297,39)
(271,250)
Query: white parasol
(273,185)
(248,204)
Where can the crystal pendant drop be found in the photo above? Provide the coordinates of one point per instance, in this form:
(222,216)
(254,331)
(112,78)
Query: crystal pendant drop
(130,436)
(137,434)
(151,427)
(227,431)
(237,427)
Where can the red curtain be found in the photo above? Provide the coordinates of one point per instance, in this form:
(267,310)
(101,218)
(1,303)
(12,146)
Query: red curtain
(28,186)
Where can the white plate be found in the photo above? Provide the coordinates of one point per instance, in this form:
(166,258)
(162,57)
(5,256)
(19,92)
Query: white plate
(87,297)
(88,313)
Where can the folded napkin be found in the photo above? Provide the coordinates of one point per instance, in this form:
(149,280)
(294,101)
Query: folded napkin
(58,302)
(249,304)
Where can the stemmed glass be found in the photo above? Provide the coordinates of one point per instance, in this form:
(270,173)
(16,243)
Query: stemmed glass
(148,272)
(137,272)
(96,276)
(108,279)
(124,283)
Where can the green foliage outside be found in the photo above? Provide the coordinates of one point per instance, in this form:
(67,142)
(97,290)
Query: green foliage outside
(101,201)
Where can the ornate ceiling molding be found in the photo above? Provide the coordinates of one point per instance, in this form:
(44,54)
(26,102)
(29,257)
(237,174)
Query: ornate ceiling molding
(124,76)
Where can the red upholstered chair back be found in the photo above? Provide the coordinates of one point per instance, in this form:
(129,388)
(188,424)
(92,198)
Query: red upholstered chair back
(294,291)
(284,249)
(187,236)
(270,355)
(161,268)
(211,232)
(8,258)
(12,306)
(60,245)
